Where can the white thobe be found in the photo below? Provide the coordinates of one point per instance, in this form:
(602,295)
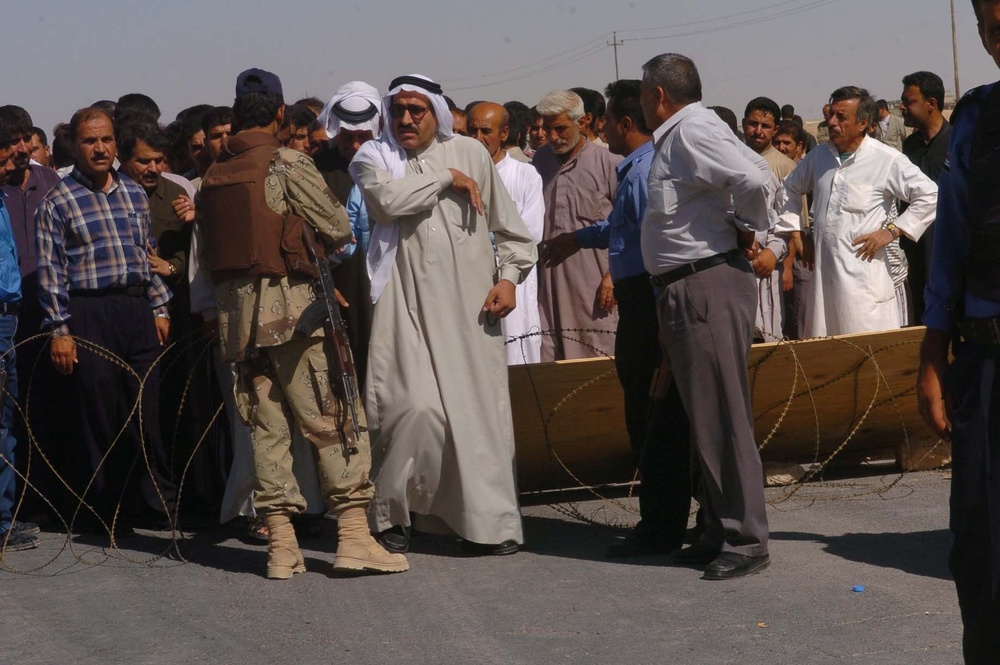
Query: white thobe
(525,188)
(437,400)
(851,199)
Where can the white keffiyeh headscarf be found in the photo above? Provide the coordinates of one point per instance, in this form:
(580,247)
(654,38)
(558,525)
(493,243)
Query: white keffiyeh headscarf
(386,154)
(355,106)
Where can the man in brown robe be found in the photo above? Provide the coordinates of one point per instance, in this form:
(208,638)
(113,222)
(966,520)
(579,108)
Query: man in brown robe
(575,299)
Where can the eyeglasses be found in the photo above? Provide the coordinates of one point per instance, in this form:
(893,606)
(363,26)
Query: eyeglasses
(416,112)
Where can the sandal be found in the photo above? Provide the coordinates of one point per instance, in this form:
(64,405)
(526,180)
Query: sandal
(257,529)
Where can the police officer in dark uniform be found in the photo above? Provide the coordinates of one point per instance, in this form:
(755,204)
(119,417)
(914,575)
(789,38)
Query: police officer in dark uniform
(963,310)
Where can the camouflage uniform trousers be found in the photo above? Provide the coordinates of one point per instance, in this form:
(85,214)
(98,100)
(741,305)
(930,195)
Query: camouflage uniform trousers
(285,386)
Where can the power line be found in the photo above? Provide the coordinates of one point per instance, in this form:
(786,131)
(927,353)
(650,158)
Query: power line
(815,4)
(547,68)
(865,45)
(712,20)
(591,47)
(584,46)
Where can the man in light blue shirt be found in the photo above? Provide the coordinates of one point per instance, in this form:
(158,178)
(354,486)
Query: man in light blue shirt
(660,432)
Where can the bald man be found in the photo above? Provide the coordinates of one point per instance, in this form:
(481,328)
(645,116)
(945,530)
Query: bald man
(488,123)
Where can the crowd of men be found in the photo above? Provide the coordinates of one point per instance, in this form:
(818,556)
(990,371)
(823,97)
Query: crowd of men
(152,275)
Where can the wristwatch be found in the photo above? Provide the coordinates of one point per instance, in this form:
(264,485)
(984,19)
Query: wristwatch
(893,230)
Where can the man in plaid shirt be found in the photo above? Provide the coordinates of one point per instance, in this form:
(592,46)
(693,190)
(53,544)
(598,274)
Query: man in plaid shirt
(95,284)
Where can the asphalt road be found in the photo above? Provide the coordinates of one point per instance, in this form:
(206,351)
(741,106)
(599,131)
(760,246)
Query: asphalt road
(558,601)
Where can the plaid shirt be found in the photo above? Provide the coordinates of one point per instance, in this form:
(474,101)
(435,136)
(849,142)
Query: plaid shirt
(91,239)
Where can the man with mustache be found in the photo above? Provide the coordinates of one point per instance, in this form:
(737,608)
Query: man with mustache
(437,397)
(760,121)
(142,148)
(854,181)
(94,281)
(579,179)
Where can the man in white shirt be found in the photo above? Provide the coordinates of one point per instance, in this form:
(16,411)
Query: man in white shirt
(854,181)
(707,301)
(489,123)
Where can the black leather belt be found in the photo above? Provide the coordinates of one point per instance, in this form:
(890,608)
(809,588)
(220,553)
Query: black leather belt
(135,291)
(11,308)
(686,270)
(981,332)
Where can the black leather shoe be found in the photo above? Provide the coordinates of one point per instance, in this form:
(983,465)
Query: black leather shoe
(729,565)
(395,539)
(634,545)
(479,549)
(695,555)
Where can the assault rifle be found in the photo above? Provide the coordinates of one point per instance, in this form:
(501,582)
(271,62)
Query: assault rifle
(325,312)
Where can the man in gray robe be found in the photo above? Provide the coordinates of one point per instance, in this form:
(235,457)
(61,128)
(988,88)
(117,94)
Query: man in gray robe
(437,399)
(579,179)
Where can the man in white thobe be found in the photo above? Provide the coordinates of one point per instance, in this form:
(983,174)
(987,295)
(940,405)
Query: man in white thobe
(854,181)
(437,399)
(488,123)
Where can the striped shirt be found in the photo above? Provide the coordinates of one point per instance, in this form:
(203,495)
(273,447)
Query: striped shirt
(90,239)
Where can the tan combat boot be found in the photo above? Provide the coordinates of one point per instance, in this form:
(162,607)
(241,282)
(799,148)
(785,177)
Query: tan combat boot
(283,556)
(358,551)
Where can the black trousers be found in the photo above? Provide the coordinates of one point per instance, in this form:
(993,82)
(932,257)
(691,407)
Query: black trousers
(122,450)
(918,256)
(974,387)
(637,350)
(38,383)
(657,427)
(666,487)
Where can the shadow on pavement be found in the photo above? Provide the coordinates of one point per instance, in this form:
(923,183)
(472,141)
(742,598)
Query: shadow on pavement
(923,553)
(550,536)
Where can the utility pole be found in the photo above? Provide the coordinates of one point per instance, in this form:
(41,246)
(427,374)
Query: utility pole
(954,50)
(615,44)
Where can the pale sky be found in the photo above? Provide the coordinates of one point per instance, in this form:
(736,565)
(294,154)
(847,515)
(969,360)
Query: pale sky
(61,55)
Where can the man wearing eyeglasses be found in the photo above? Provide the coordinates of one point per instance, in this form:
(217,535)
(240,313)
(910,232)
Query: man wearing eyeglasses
(437,398)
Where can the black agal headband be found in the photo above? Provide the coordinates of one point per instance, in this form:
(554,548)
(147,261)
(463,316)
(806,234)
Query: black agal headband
(416,81)
(355,117)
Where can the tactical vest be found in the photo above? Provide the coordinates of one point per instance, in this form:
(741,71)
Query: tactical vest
(242,236)
(982,267)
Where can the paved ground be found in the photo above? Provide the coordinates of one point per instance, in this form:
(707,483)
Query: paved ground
(558,602)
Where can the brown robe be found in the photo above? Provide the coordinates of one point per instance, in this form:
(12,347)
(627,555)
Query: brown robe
(577,194)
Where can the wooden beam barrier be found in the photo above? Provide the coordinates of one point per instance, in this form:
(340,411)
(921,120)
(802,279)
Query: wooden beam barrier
(840,400)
